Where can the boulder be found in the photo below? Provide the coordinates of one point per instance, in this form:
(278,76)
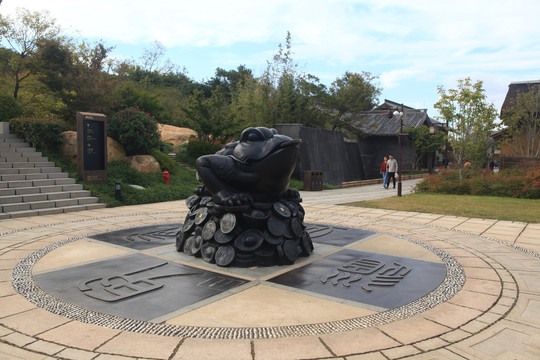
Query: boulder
(175,135)
(115,151)
(143,163)
(69,145)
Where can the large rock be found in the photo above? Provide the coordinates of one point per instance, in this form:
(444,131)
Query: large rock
(115,151)
(175,135)
(143,163)
(69,145)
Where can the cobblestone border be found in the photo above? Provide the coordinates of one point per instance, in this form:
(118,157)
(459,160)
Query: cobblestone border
(24,284)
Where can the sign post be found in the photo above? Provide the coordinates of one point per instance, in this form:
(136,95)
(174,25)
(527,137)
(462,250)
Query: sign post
(92,147)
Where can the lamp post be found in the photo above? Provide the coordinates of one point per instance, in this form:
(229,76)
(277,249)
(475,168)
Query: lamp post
(446,146)
(118,192)
(402,115)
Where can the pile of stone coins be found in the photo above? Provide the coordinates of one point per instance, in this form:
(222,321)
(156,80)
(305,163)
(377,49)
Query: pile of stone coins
(258,234)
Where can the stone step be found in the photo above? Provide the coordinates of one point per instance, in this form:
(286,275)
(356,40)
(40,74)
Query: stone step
(47,196)
(47,204)
(14,149)
(41,189)
(9,150)
(18,158)
(30,164)
(19,145)
(33,176)
(32,185)
(35,183)
(7,168)
(51,211)
(7,136)
(7,141)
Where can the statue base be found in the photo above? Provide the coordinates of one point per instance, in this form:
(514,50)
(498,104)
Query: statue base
(258,234)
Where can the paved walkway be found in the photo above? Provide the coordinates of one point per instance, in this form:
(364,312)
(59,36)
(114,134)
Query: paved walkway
(359,193)
(494,314)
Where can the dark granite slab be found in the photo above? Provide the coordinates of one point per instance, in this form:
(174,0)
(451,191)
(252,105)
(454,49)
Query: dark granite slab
(135,286)
(142,238)
(370,278)
(336,235)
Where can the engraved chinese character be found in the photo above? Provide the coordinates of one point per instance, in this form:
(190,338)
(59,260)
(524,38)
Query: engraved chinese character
(121,286)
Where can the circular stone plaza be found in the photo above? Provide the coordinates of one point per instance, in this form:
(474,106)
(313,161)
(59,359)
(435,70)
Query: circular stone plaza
(380,284)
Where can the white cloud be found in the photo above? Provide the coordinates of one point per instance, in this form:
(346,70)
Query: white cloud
(402,41)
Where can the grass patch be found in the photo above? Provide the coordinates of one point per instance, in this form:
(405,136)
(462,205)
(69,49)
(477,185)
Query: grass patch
(483,207)
(181,184)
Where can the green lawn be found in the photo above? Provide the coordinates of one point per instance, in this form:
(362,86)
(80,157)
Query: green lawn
(484,207)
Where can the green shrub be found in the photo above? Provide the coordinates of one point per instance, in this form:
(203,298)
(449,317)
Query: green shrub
(43,133)
(519,183)
(9,108)
(183,157)
(135,130)
(199,148)
(164,160)
(167,147)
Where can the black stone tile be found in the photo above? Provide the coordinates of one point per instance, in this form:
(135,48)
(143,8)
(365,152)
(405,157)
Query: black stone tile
(375,279)
(136,286)
(336,235)
(142,238)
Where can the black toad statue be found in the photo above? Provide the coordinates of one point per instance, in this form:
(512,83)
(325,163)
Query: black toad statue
(245,214)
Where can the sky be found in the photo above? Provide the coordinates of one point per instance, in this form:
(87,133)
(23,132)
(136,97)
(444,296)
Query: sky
(412,46)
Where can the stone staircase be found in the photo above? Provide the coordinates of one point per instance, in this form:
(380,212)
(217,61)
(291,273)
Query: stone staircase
(31,185)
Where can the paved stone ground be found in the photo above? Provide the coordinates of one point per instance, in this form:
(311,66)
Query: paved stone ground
(495,313)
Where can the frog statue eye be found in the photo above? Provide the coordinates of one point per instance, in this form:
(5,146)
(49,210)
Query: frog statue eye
(252,134)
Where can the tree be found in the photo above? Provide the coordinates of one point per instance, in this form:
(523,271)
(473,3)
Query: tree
(351,93)
(424,142)
(22,35)
(522,120)
(470,119)
(248,105)
(278,85)
(230,81)
(211,117)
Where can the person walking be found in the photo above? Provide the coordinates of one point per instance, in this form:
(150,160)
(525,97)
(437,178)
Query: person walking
(383,171)
(391,168)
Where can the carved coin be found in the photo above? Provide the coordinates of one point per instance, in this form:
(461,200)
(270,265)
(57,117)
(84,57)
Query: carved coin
(306,245)
(293,207)
(192,201)
(282,210)
(201,215)
(271,239)
(296,226)
(188,225)
(225,255)
(222,238)
(196,245)
(276,226)
(290,251)
(188,246)
(209,229)
(227,223)
(208,250)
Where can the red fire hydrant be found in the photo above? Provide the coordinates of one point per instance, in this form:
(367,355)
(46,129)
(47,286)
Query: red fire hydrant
(166,176)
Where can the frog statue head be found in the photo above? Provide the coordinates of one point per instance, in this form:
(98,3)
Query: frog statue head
(256,168)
